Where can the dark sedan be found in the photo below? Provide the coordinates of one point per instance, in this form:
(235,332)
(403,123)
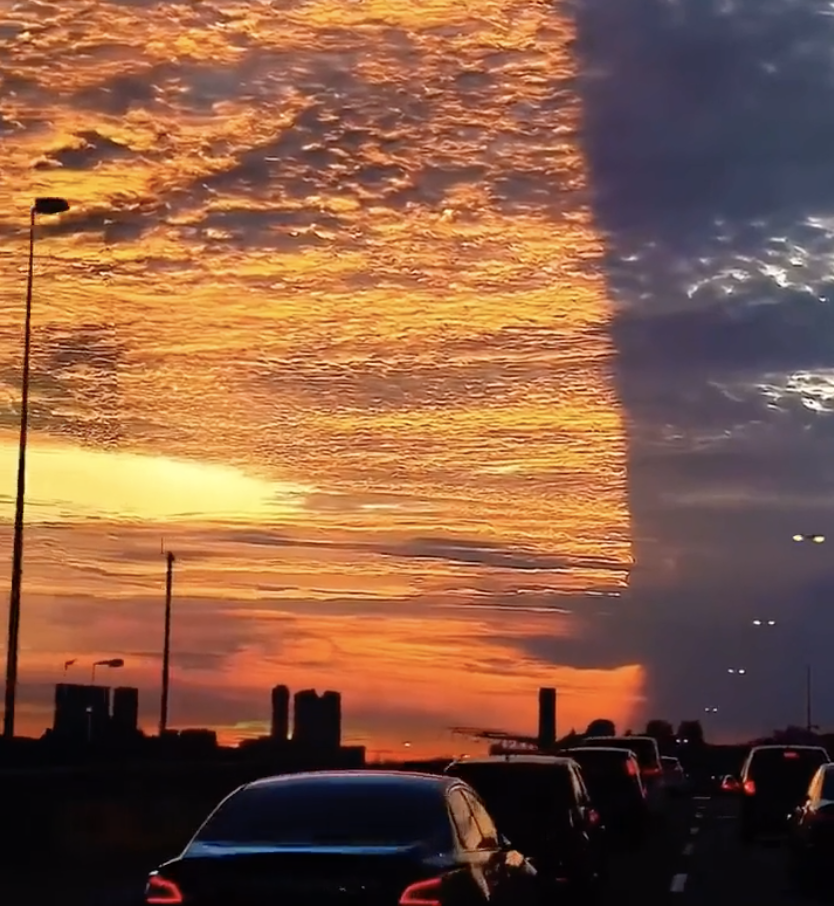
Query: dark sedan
(363,838)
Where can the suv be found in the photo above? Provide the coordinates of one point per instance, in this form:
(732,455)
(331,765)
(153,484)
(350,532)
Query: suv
(540,801)
(613,780)
(647,752)
(773,783)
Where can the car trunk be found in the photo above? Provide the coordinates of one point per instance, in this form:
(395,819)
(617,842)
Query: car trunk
(297,877)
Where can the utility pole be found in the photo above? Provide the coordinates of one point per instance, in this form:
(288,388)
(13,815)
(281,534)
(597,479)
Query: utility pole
(808,715)
(166,650)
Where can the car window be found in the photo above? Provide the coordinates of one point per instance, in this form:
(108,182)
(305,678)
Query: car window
(644,748)
(489,832)
(583,798)
(523,799)
(468,831)
(827,785)
(353,813)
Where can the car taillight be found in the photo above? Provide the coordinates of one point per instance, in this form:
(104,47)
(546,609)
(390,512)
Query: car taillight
(749,787)
(160,891)
(423,893)
(632,769)
(593,817)
(652,772)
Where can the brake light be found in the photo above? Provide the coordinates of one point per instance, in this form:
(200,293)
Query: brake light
(593,817)
(749,787)
(632,769)
(162,892)
(423,893)
(652,772)
(790,754)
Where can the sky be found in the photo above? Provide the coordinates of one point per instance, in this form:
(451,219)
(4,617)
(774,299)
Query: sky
(454,351)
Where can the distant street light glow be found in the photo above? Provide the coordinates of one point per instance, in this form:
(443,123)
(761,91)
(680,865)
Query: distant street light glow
(738,671)
(710,710)
(764,622)
(817,539)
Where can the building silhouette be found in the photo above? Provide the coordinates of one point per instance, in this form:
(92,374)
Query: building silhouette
(280,725)
(82,713)
(124,719)
(317,720)
(547,718)
(331,712)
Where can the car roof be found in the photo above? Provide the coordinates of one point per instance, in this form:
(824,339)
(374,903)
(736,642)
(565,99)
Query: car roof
(618,750)
(777,746)
(368,778)
(670,758)
(632,737)
(515,759)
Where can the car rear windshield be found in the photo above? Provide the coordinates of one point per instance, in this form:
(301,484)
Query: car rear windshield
(329,814)
(828,786)
(604,771)
(520,794)
(600,761)
(784,770)
(645,749)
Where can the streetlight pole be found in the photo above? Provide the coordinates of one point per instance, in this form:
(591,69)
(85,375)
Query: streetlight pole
(41,206)
(166,648)
(808,715)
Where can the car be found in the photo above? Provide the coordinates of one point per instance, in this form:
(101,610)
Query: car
(542,804)
(612,777)
(646,751)
(811,834)
(376,838)
(773,781)
(674,775)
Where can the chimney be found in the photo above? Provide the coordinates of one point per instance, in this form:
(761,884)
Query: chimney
(547,718)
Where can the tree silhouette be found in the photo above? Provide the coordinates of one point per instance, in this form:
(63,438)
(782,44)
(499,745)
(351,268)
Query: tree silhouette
(692,732)
(661,730)
(601,727)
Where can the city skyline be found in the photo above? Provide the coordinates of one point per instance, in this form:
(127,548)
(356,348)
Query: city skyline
(429,400)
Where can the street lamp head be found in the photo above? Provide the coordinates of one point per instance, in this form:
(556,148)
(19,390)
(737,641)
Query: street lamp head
(50,205)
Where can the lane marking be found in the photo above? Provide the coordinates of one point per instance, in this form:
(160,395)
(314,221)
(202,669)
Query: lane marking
(689,849)
(678,884)
(694,830)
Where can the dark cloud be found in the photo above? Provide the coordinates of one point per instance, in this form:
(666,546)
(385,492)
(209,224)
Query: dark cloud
(709,128)
(465,551)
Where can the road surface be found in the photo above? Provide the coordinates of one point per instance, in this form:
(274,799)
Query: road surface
(698,860)
(695,859)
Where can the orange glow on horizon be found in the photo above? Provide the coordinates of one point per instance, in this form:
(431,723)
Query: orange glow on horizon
(327,314)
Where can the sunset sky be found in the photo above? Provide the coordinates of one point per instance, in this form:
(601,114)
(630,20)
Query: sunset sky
(446,355)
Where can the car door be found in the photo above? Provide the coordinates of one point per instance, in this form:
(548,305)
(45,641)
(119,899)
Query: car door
(588,827)
(479,858)
(800,820)
(510,874)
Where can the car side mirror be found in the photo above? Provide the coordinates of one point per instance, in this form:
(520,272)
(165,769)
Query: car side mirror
(504,844)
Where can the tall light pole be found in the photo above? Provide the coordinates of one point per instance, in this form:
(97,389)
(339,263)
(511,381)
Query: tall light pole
(166,647)
(46,206)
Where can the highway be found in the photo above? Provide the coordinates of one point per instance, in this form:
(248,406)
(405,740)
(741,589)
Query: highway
(696,859)
(693,859)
